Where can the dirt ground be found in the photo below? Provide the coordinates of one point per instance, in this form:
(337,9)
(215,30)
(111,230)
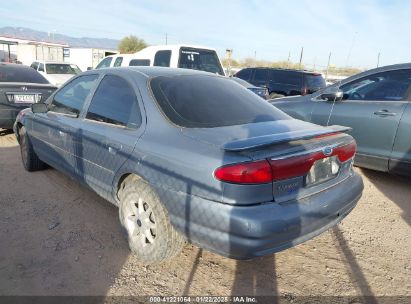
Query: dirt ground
(58,238)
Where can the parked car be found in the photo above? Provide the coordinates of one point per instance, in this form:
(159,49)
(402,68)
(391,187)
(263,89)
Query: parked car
(174,56)
(20,86)
(56,72)
(283,82)
(228,172)
(262,92)
(376,105)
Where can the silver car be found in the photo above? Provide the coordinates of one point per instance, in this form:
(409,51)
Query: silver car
(376,104)
(193,156)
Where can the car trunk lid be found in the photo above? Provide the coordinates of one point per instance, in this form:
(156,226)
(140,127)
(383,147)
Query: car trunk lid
(24,93)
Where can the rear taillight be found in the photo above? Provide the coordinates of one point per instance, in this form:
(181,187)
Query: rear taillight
(258,172)
(301,165)
(265,171)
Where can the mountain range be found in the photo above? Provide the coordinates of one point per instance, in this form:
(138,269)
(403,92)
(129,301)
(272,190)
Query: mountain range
(30,34)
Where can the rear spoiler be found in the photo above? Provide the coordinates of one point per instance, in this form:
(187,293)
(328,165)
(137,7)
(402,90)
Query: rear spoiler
(266,140)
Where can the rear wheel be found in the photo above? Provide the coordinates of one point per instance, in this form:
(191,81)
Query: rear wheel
(151,236)
(30,160)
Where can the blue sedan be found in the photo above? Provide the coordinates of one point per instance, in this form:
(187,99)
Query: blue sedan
(192,156)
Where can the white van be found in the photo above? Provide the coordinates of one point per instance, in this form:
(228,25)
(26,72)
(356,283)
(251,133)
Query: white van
(174,56)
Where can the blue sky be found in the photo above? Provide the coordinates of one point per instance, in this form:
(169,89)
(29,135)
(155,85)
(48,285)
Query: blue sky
(353,31)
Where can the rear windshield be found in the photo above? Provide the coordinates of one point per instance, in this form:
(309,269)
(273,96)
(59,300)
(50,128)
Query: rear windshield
(59,68)
(10,73)
(198,59)
(315,82)
(208,101)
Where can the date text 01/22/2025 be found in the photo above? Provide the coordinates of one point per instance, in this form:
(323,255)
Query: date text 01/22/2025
(205,299)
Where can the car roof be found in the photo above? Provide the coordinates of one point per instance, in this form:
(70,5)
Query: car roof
(149,71)
(51,61)
(174,47)
(14,65)
(285,70)
(386,68)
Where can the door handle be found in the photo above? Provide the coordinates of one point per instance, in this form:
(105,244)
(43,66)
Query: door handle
(384,113)
(113,148)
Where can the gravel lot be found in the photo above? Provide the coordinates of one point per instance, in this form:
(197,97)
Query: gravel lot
(58,238)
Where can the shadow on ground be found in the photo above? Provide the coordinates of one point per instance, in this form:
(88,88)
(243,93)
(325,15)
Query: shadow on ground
(394,187)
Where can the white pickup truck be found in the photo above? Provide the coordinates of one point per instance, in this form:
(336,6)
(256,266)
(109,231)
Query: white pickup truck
(175,56)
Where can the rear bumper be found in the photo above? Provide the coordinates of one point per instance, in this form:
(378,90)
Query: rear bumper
(8,115)
(244,232)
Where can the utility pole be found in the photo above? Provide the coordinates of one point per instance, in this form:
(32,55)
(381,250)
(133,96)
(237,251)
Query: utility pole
(328,66)
(301,56)
(288,60)
(378,59)
(166,38)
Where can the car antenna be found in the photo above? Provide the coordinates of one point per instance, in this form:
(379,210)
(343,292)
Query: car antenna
(332,107)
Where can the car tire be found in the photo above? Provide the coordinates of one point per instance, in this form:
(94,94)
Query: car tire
(30,160)
(151,236)
(274,95)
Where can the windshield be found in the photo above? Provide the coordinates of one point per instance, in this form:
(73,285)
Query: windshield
(18,73)
(202,101)
(198,59)
(61,68)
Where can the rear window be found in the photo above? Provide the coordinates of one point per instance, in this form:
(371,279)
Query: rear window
(199,59)
(10,73)
(315,82)
(209,101)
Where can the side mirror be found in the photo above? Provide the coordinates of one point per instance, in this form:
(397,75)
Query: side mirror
(332,96)
(39,108)
(89,68)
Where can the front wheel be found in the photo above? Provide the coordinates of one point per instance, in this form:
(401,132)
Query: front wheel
(30,160)
(151,236)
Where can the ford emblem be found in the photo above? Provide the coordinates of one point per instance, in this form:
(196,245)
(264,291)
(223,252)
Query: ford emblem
(328,151)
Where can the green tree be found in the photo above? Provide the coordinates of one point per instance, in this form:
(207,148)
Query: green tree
(131,44)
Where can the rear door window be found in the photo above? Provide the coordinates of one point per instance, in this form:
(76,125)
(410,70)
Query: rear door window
(118,61)
(139,62)
(115,102)
(287,77)
(162,58)
(70,99)
(210,101)
(260,75)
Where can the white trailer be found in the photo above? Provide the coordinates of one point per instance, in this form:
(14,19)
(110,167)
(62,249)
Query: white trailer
(86,58)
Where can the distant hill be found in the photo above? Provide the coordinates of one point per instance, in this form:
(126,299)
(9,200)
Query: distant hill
(27,33)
